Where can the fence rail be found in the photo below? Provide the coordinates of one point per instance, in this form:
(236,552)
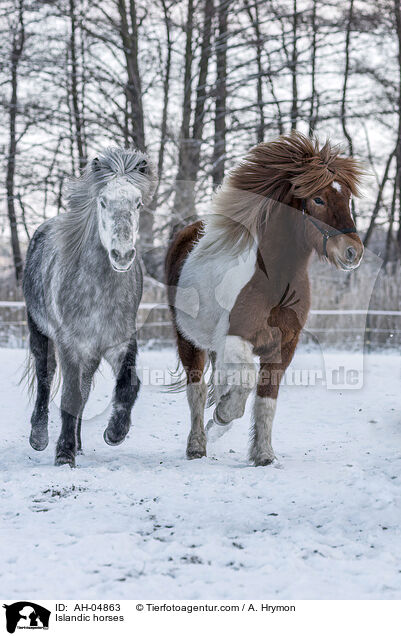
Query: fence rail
(342,327)
(316,312)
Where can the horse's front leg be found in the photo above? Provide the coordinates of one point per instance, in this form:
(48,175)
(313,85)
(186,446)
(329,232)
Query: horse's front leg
(234,379)
(270,374)
(125,394)
(71,408)
(86,384)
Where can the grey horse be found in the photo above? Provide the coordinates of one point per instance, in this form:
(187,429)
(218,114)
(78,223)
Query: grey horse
(82,286)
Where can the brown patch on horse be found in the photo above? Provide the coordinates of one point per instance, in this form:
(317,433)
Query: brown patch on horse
(182,244)
(193,359)
(290,166)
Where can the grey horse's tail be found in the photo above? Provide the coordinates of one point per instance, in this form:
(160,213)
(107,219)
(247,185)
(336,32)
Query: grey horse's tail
(28,377)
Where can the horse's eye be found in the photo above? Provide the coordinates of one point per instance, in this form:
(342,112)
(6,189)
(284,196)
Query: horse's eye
(318,201)
(138,205)
(102,203)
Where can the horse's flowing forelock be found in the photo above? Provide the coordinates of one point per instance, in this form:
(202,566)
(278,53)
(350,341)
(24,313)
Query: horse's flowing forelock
(76,226)
(271,173)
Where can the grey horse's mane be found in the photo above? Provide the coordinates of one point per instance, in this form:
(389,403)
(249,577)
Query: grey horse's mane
(76,225)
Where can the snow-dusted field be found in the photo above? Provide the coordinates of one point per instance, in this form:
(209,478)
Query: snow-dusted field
(140,521)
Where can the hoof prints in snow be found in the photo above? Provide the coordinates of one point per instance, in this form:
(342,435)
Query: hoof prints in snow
(140,521)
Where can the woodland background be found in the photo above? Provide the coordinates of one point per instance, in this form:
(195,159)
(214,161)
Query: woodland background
(195,83)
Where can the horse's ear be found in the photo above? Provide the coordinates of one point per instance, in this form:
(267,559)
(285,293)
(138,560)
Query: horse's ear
(143,167)
(96,164)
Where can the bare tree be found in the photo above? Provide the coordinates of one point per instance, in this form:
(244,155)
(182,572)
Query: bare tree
(17,48)
(219,149)
(192,116)
(294,67)
(397,9)
(128,29)
(76,107)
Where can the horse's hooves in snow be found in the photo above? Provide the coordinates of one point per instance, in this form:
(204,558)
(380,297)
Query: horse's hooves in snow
(39,439)
(110,441)
(215,431)
(264,460)
(196,453)
(63,459)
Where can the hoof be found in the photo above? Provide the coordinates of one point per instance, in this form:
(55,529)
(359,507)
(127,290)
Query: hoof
(193,453)
(196,445)
(39,439)
(112,441)
(215,431)
(218,420)
(64,458)
(264,460)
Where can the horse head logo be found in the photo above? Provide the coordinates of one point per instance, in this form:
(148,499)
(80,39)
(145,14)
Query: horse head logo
(26,614)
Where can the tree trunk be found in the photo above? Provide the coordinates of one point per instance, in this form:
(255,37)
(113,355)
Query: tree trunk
(134,123)
(376,209)
(346,76)
(154,258)
(191,140)
(184,202)
(389,237)
(166,92)
(313,100)
(294,68)
(219,150)
(74,89)
(129,38)
(254,19)
(397,7)
(18,41)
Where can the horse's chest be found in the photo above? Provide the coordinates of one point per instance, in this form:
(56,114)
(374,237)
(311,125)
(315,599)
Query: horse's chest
(100,318)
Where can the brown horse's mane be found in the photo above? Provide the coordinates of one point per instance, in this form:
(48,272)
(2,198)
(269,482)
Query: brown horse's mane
(291,166)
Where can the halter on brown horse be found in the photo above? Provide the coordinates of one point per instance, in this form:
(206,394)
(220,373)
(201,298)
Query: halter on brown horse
(238,285)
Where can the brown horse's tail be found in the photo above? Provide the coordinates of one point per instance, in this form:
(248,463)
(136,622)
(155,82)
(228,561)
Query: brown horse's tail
(179,379)
(178,383)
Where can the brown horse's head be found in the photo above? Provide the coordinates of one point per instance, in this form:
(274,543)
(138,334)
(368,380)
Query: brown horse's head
(299,173)
(329,227)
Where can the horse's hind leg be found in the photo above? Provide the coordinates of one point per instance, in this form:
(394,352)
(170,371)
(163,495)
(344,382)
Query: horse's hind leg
(125,393)
(45,365)
(193,361)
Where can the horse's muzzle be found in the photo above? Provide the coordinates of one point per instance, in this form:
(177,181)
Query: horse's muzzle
(345,252)
(122,262)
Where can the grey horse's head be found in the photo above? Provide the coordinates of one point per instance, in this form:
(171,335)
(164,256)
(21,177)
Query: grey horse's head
(118,206)
(107,199)
(118,209)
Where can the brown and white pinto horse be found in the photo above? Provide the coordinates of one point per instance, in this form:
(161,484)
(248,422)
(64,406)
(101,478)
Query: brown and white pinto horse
(238,284)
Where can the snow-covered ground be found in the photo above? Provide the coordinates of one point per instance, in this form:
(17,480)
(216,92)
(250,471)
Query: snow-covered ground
(140,521)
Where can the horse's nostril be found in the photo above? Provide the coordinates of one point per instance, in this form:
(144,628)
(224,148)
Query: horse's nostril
(131,254)
(115,254)
(350,254)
